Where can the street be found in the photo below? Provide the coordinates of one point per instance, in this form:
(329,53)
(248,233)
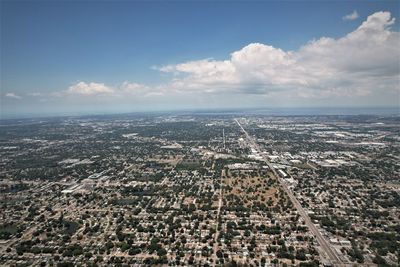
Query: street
(330,252)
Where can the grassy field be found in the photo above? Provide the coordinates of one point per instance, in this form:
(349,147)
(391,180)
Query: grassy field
(250,189)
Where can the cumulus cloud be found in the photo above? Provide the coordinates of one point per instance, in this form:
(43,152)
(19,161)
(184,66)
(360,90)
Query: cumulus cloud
(364,62)
(125,89)
(12,95)
(352,16)
(357,64)
(90,89)
(133,88)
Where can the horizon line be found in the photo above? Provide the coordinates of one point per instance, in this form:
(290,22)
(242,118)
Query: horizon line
(395,109)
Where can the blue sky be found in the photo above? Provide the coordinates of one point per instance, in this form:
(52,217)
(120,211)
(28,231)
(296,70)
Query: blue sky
(101,51)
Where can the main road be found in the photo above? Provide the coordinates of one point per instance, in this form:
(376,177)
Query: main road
(326,247)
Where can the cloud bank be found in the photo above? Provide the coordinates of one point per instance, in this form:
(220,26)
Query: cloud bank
(364,60)
(363,63)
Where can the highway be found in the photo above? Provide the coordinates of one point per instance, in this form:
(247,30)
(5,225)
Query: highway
(326,247)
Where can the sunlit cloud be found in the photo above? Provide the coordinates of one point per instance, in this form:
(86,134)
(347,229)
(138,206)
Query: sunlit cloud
(352,16)
(90,89)
(349,65)
(361,63)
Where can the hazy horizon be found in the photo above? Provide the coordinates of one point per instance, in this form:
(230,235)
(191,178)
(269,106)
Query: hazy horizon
(107,57)
(272,111)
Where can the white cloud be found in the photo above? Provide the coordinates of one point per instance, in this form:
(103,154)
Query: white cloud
(125,90)
(352,16)
(363,61)
(129,89)
(12,95)
(35,94)
(90,89)
(133,88)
